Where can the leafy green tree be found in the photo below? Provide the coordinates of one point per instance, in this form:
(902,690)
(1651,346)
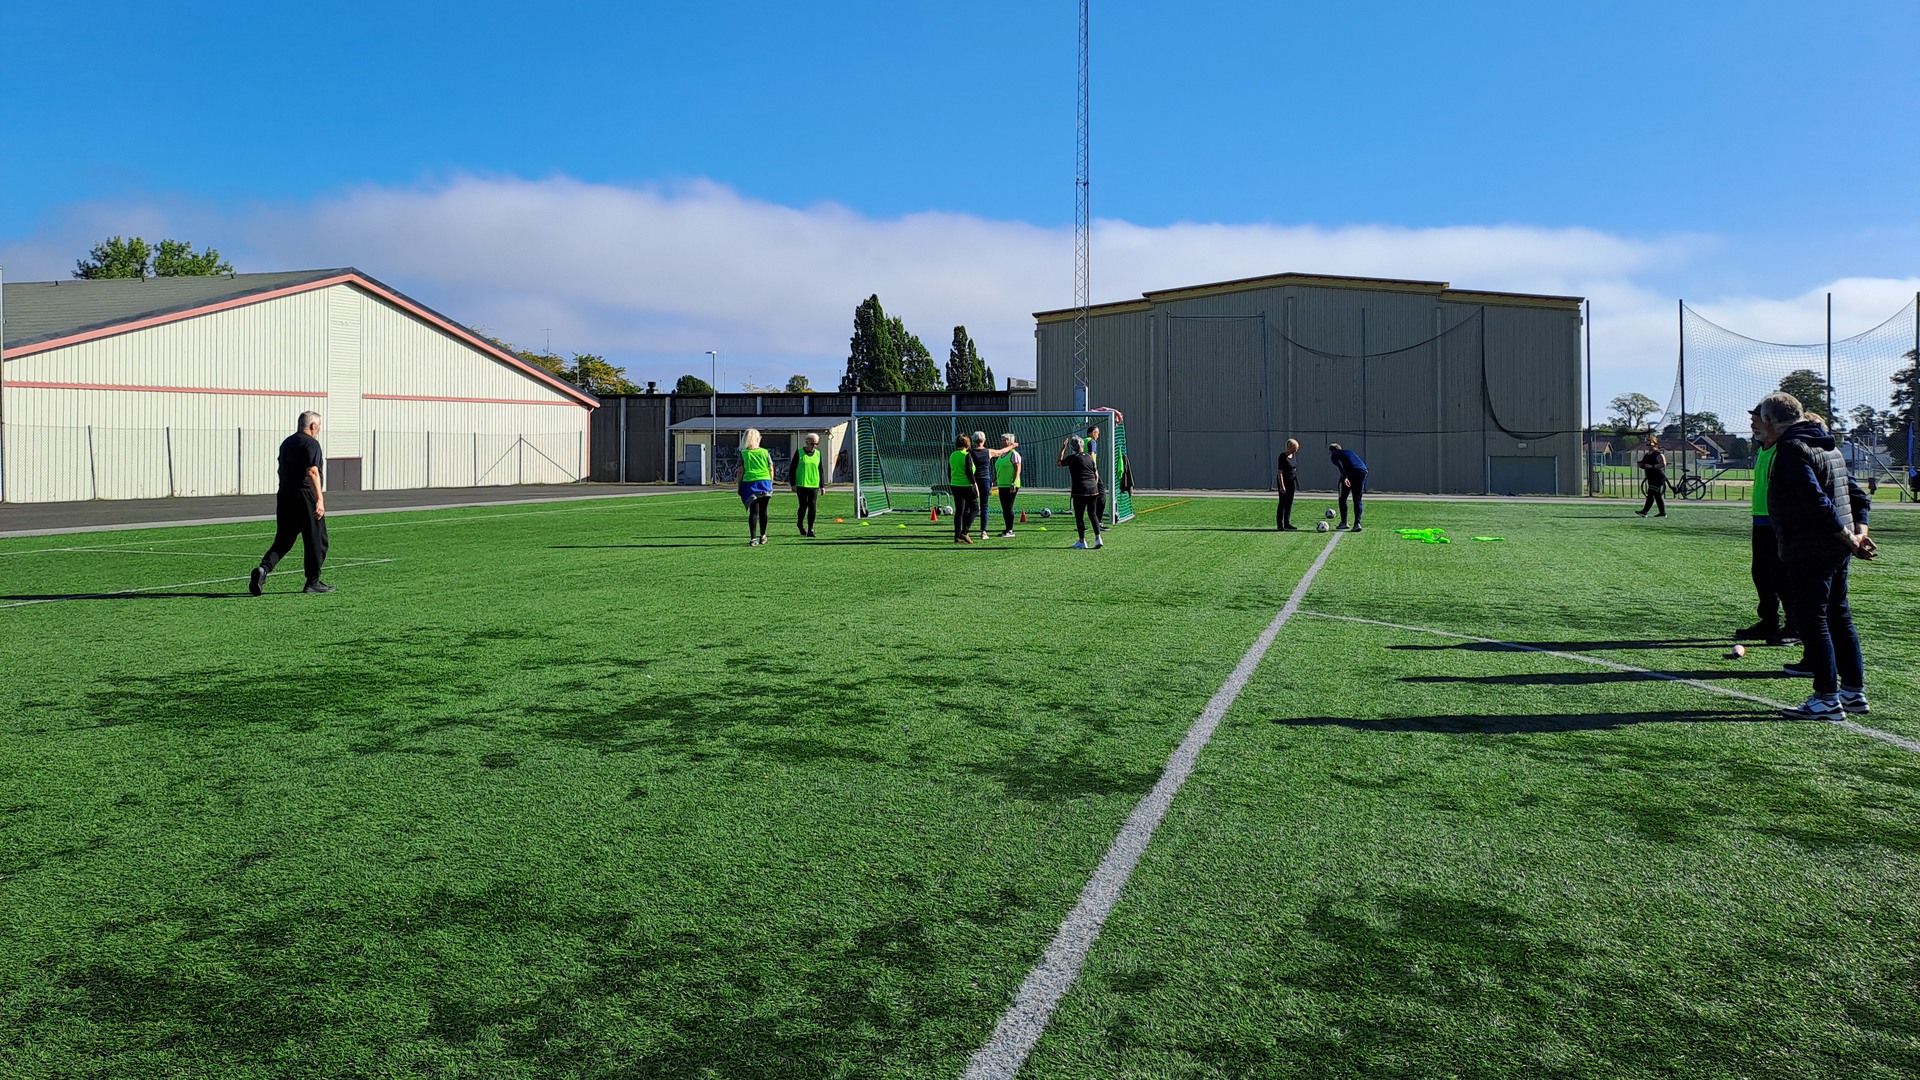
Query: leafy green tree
(1629,412)
(1901,418)
(1807,385)
(1704,422)
(965,370)
(799,385)
(1864,422)
(176,258)
(873,355)
(692,384)
(115,258)
(594,375)
(916,363)
(133,257)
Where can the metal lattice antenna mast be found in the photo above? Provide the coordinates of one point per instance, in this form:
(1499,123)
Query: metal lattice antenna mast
(1082,232)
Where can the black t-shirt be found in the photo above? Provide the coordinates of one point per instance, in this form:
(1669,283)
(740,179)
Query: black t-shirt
(982,466)
(299,453)
(1086,475)
(1288,471)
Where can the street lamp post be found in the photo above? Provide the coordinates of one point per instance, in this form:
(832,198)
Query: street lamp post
(713,441)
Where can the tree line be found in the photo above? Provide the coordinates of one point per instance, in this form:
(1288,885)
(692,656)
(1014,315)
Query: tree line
(1628,414)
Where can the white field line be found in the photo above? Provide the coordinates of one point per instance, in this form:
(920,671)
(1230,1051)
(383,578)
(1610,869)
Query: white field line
(1594,661)
(176,585)
(150,551)
(1026,1019)
(256,536)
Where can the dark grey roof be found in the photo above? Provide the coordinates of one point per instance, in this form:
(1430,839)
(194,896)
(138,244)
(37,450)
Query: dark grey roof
(37,311)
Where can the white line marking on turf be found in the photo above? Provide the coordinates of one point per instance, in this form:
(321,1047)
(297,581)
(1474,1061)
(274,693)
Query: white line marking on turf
(1594,661)
(1026,1019)
(176,585)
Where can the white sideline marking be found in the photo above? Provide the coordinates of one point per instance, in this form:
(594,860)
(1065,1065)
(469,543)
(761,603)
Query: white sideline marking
(1594,661)
(1026,1019)
(177,585)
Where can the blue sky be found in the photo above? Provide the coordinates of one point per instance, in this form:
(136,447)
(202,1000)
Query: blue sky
(647,181)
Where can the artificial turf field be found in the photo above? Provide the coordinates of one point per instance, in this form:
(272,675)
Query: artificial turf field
(596,790)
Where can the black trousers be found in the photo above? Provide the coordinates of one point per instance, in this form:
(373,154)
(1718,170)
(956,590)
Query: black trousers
(1007,495)
(983,494)
(964,508)
(1357,487)
(1656,494)
(809,506)
(294,519)
(1770,578)
(1817,599)
(1283,516)
(757,516)
(1088,506)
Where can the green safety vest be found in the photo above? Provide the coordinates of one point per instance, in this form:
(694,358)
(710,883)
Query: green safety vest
(1003,471)
(756,464)
(1762,469)
(957,469)
(806,469)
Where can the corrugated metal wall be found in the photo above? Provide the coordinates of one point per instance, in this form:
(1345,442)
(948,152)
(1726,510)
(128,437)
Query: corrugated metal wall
(211,397)
(1213,384)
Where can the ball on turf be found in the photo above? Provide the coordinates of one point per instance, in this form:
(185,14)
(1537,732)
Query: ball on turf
(1046,511)
(1739,651)
(1329,513)
(837,521)
(1320,527)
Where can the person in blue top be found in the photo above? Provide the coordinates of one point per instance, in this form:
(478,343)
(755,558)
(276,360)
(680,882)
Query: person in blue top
(1353,481)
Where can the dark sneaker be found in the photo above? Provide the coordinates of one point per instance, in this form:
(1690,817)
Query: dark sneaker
(1798,669)
(1783,640)
(317,587)
(258,578)
(1757,632)
(1854,701)
(1817,707)
(1356,528)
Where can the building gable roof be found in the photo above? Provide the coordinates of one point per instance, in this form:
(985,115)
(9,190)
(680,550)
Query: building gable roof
(1444,291)
(44,315)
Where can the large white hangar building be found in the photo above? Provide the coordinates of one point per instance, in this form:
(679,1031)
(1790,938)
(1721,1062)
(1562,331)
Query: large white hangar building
(132,389)
(1440,389)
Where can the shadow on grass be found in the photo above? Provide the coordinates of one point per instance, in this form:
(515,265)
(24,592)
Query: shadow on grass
(1531,723)
(1566,646)
(1588,678)
(50,597)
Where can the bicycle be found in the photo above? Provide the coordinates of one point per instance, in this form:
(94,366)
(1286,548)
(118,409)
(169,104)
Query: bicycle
(1689,486)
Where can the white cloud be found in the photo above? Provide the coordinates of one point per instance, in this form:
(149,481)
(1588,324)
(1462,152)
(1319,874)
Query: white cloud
(654,276)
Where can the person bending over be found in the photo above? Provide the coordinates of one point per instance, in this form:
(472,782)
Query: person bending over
(756,485)
(1353,481)
(1085,487)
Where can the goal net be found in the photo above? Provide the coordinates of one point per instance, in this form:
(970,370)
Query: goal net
(901,459)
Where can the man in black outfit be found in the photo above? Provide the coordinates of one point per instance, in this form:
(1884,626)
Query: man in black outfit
(300,508)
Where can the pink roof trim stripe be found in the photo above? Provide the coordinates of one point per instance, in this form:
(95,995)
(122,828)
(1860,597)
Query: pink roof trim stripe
(23,384)
(481,400)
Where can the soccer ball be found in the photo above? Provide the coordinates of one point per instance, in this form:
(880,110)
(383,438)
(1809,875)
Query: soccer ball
(1320,527)
(1329,516)
(1046,512)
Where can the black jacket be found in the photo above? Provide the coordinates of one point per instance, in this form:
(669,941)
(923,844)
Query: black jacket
(1810,497)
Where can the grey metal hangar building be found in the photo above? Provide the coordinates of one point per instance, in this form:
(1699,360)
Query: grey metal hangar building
(1440,390)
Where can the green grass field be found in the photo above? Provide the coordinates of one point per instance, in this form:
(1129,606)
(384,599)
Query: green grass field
(596,790)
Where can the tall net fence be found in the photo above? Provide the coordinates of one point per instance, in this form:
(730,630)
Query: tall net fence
(47,463)
(1854,382)
(903,458)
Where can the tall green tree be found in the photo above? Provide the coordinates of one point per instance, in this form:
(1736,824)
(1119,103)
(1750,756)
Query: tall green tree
(873,355)
(1807,385)
(1629,412)
(965,370)
(916,363)
(1900,420)
(799,385)
(692,384)
(133,257)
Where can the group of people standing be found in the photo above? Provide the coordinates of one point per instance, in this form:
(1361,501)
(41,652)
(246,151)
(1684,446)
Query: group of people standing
(975,471)
(806,474)
(1353,484)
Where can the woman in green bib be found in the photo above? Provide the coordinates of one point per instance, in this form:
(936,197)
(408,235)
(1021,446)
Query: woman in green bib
(756,485)
(808,475)
(960,477)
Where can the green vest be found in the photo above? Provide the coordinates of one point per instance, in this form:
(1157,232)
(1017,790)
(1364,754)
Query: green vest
(755,464)
(1762,469)
(1003,473)
(957,469)
(806,469)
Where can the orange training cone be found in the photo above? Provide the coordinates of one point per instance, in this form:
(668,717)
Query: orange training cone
(934,514)
(1023,517)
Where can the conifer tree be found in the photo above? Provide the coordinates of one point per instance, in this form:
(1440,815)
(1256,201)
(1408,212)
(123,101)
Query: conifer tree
(916,363)
(873,354)
(965,370)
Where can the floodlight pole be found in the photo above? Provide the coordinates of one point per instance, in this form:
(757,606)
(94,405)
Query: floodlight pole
(1082,231)
(1831,424)
(713,441)
(1588,472)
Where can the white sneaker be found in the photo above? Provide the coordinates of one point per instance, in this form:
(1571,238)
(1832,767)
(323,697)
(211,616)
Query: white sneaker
(1079,545)
(1854,700)
(1099,542)
(1008,535)
(1817,707)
